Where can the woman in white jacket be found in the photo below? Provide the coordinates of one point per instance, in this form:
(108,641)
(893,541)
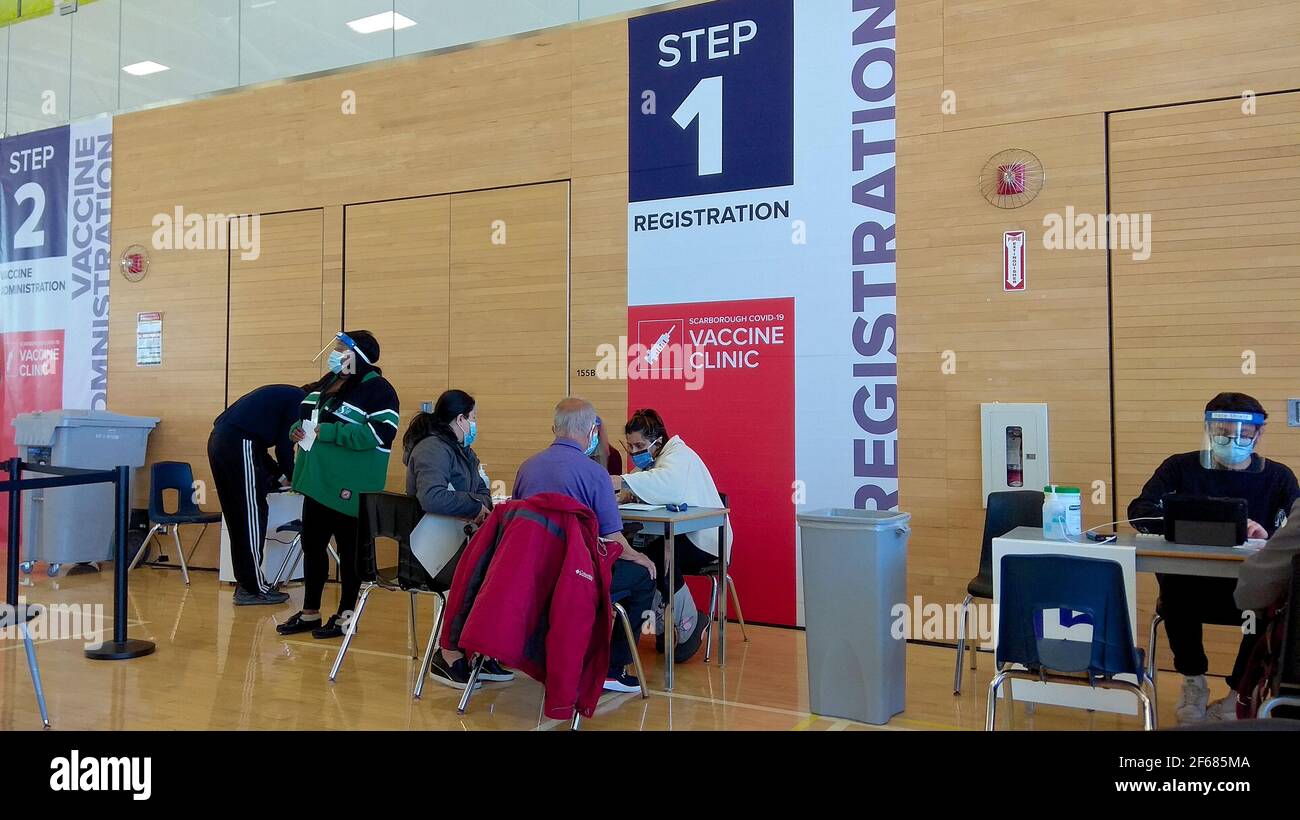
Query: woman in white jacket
(667,471)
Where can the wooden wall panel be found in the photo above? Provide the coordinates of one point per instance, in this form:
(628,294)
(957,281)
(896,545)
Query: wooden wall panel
(397,286)
(1220,286)
(509,316)
(1048,344)
(1016,60)
(275,303)
(187,390)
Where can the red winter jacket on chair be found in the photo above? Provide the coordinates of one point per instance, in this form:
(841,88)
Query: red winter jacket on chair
(532,591)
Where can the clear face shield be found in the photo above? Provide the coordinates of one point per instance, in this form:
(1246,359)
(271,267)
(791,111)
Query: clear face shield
(343,354)
(1231,441)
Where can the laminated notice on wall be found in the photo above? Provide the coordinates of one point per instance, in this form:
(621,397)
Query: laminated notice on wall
(148,339)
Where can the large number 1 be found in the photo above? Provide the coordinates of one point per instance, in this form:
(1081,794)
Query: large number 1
(705,105)
(28,236)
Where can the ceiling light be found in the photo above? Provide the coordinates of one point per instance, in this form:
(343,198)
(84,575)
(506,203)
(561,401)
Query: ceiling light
(144,67)
(384,21)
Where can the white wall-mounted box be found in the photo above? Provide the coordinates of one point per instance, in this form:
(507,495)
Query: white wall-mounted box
(1013,447)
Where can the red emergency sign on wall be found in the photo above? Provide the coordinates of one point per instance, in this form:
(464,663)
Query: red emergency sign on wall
(1013,260)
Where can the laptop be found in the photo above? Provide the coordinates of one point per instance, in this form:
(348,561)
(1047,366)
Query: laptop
(1205,520)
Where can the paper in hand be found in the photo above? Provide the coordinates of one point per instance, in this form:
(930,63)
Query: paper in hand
(308,433)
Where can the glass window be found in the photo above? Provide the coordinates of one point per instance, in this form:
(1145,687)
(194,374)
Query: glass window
(444,23)
(39,57)
(174,49)
(95,67)
(601,8)
(285,38)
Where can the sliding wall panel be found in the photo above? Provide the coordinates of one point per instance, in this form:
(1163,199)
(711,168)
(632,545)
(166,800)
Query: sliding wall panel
(510,316)
(1212,303)
(275,300)
(396,286)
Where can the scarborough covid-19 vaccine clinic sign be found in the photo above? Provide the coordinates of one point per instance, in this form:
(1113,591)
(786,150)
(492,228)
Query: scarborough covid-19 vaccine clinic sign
(761,278)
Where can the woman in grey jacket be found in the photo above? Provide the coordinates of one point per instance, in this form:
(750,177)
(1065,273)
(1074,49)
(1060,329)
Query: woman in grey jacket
(444,473)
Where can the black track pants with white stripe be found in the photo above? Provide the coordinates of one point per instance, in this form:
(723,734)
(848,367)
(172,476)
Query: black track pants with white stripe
(242,483)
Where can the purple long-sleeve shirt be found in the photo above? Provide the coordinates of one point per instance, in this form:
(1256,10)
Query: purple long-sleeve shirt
(562,468)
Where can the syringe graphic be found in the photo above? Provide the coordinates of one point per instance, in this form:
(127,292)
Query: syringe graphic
(653,355)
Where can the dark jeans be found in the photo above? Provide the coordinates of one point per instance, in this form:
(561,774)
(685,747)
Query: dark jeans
(1187,602)
(318,524)
(631,586)
(688,559)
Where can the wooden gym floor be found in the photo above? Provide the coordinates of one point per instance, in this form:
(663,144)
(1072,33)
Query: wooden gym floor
(222,667)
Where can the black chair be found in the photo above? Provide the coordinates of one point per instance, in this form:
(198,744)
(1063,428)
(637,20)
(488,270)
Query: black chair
(1006,511)
(717,577)
(178,476)
(1153,637)
(1286,690)
(20,616)
(394,516)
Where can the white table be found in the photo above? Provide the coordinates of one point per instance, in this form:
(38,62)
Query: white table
(281,509)
(670,525)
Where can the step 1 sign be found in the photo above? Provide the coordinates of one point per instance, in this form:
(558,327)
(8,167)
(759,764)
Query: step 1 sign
(712,102)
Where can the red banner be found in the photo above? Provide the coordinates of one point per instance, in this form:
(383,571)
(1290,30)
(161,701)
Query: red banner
(32,380)
(722,376)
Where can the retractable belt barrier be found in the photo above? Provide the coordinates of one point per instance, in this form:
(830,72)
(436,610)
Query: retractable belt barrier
(121,647)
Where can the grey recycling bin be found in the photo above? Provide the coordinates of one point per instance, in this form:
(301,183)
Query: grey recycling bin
(854,574)
(64,525)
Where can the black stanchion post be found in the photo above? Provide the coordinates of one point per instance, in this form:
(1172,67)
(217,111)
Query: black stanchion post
(121,647)
(15,468)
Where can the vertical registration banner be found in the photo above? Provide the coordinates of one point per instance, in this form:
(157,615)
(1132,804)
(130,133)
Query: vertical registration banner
(55,209)
(761,184)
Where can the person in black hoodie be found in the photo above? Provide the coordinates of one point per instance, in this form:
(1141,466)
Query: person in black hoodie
(1230,465)
(444,473)
(347,424)
(244,472)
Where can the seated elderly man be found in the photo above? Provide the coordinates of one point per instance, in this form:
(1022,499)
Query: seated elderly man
(566,467)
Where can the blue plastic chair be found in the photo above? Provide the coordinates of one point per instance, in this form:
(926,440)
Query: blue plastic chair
(1031,584)
(178,476)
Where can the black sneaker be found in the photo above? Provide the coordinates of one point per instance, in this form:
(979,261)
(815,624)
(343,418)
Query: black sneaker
(685,650)
(494,672)
(245,598)
(297,623)
(616,681)
(333,628)
(455,675)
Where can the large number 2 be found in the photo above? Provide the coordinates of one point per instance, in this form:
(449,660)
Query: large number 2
(705,105)
(28,236)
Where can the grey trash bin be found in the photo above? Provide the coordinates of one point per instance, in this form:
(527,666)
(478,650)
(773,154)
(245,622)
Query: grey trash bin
(64,525)
(854,574)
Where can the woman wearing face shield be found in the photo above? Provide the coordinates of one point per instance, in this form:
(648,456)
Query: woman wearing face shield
(347,423)
(667,471)
(1228,464)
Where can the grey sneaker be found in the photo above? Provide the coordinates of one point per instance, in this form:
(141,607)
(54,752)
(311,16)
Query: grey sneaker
(1196,695)
(245,598)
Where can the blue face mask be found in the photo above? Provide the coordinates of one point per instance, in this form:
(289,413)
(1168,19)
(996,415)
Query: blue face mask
(471,435)
(336,361)
(643,460)
(1232,453)
(595,442)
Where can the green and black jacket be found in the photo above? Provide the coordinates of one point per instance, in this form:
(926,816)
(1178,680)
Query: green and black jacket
(357,426)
